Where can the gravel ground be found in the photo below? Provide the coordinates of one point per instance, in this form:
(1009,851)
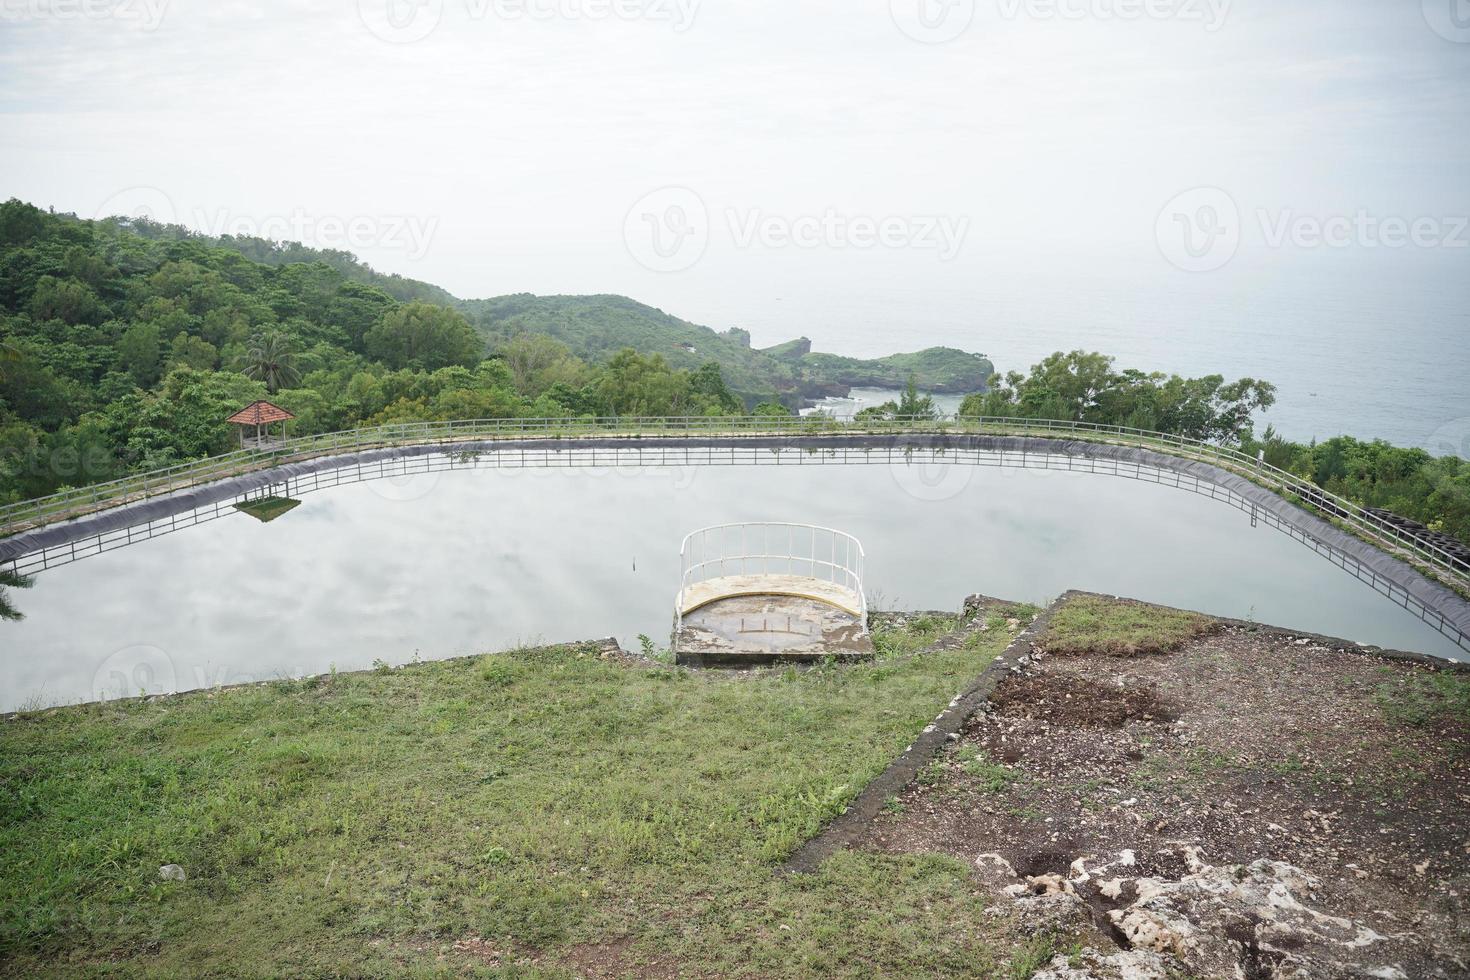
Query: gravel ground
(1253,803)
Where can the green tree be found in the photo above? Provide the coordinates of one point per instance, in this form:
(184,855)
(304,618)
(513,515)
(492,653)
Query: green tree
(10,579)
(271,358)
(913,405)
(537,361)
(707,386)
(424,336)
(633,385)
(138,350)
(64,299)
(194,352)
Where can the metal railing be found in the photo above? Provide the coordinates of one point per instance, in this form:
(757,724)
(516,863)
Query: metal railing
(772,548)
(76,501)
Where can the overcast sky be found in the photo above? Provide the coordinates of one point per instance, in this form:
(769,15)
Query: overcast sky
(712,155)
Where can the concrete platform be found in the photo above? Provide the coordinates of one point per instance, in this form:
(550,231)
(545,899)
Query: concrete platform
(758,620)
(795,586)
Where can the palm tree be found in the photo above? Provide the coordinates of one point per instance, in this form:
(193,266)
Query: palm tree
(9,353)
(271,359)
(15,580)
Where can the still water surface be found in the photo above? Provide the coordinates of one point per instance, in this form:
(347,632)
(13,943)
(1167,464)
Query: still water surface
(468,561)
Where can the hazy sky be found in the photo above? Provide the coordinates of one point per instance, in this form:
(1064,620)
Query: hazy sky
(717,157)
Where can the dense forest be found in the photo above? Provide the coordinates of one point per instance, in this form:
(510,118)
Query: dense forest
(125,345)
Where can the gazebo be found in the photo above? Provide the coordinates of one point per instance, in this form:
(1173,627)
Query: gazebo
(262,415)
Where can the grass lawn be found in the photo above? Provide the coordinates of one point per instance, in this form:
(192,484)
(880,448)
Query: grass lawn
(537,811)
(1122,627)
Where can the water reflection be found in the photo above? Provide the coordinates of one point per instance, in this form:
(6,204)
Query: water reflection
(465,561)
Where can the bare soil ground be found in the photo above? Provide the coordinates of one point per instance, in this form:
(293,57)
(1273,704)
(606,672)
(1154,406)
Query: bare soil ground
(1137,805)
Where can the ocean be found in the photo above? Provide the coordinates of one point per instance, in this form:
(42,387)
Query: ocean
(1375,355)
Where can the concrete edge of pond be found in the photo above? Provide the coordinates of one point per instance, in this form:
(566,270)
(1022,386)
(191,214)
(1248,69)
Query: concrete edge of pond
(1439,605)
(852,824)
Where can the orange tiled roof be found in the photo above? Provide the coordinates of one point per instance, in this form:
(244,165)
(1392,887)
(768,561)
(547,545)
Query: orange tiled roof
(260,413)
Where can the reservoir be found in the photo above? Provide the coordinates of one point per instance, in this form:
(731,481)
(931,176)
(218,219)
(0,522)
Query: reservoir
(469,561)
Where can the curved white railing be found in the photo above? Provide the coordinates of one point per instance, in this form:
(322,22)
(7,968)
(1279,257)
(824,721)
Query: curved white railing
(64,504)
(772,548)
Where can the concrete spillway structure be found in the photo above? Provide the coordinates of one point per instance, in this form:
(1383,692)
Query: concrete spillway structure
(767,593)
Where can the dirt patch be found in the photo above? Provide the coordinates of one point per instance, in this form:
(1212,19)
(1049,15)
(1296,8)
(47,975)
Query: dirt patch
(1077,701)
(615,958)
(1122,799)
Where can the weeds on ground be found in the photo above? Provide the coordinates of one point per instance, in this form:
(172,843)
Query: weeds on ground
(1420,698)
(1117,627)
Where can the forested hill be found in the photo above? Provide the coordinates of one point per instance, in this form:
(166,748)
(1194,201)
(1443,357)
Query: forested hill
(268,252)
(595,327)
(126,345)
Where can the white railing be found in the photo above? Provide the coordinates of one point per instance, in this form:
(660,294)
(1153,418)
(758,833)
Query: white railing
(772,548)
(65,504)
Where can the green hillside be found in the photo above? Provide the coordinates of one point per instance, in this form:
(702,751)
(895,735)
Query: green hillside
(595,327)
